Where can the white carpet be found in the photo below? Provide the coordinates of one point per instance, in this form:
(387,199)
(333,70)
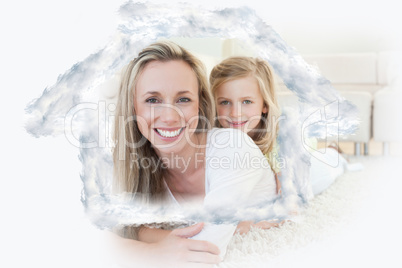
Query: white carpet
(356,222)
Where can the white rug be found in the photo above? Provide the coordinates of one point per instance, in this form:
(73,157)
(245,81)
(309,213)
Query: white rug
(356,222)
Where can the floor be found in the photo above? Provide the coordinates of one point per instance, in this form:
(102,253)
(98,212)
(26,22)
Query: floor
(375,148)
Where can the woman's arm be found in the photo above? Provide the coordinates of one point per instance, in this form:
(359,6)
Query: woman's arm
(152,235)
(173,250)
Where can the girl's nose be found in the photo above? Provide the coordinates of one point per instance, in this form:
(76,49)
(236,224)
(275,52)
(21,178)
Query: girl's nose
(236,110)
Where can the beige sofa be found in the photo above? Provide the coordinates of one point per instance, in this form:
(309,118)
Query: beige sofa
(371,81)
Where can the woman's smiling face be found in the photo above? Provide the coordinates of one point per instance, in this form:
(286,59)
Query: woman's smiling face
(240,104)
(166,103)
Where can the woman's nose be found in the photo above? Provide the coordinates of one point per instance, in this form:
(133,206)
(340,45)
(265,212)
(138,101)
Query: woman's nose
(169,114)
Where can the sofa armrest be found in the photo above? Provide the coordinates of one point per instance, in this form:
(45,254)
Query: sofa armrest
(387,114)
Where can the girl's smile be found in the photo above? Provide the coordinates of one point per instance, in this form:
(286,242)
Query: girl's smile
(240,104)
(235,124)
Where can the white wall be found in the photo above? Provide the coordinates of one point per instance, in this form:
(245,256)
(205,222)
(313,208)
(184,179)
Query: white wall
(321,26)
(324,35)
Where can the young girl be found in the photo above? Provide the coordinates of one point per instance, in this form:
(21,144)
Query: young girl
(163,116)
(244,92)
(245,98)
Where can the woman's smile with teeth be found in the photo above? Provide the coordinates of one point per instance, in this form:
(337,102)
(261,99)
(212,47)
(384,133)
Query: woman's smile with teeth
(169,133)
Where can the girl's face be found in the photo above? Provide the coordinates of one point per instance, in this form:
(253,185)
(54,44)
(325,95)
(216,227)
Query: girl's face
(166,104)
(240,104)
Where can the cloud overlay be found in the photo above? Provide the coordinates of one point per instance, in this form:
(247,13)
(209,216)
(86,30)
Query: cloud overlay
(74,107)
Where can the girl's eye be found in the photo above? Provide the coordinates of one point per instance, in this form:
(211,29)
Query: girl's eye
(152,100)
(225,102)
(184,100)
(247,101)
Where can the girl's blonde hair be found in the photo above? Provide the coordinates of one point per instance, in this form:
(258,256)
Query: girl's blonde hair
(239,67)
(131,148)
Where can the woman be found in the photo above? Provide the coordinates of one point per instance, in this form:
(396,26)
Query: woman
(164,115)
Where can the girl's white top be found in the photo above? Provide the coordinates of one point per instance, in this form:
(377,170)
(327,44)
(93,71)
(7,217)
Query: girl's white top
(237,175)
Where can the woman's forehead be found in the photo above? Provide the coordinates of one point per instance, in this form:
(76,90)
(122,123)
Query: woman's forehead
(165,77)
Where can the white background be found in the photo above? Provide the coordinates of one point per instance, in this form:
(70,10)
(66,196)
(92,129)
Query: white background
(42,219)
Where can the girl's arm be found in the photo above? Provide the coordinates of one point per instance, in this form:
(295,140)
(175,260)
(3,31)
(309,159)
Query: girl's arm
(245,177)
(245,226)
(240,174)
(278,184)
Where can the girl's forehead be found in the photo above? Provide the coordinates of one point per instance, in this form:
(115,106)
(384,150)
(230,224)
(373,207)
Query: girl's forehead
(244,84)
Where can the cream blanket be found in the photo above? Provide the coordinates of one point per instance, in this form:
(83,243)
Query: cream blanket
(355,222)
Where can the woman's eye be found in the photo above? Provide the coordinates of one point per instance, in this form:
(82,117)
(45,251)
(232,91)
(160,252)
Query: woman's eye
(247,101)
(225,102)
(152,100)
(184,100)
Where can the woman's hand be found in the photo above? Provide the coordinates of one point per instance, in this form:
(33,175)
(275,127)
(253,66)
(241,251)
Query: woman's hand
(245,226)
(174,250)
(178,251)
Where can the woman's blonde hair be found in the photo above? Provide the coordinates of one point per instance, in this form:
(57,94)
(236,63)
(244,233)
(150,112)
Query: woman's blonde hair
(239,67)
(131,147)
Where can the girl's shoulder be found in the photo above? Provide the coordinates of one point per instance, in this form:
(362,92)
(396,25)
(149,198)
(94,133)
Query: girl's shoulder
(229,139)
(226,134)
